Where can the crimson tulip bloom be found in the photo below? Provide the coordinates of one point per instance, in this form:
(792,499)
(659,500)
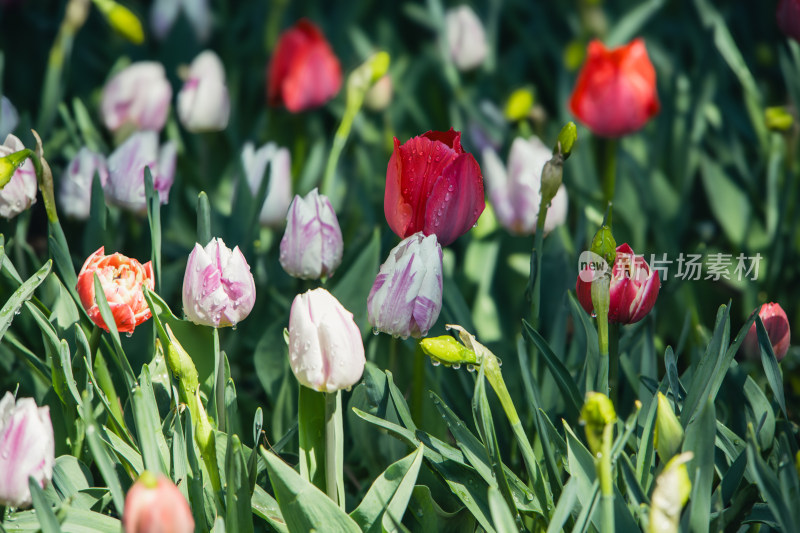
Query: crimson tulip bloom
(122,279)
(777,325)
(303,72)
(634,288)
(433,186)
(788,15)
(616,89)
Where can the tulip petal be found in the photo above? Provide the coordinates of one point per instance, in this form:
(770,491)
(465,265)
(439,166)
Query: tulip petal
(456,200)
(397,210)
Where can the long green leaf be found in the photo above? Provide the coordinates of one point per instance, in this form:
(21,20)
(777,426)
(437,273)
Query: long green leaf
(700,436)
(770,364)
(47,519)
(239,515)
(23,293)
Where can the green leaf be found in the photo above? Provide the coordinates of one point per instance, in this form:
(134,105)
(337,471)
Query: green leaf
(303,506)
(101,457)
(155,451)
(108,318)
(70,476)
(311,434)
(389,495)
(23,293)
(700,437)
(592,356)
(154,220)
(770,364)
(204,219)
(729,203)
(564,507)
(760,413)
(75,521)
(239,515)
(265,507)
(47,519)
(562,377)
(431,517)
(630,25)
(770,487)
(501,514)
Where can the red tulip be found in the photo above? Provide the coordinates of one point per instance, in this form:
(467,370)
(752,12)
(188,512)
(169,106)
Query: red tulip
(788,15)
(616,89)
(634,288)
(122,279)
(433,186)
(777,325)
(303,72)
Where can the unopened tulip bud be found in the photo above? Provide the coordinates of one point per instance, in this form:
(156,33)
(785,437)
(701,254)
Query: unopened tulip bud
(552,174)
(671,493)
(75,194)
(407,295)
(466,38)
(312,246)
(519,104)
(218,288)
(668,432)
(567,138)
(597,413)
(203,102)
(155,505)
(279,182)
(27,449)
(447,350)
(777,325)
(380,94)
(19,192)
(137,96)
(126,170)
(778,118)
(326,352)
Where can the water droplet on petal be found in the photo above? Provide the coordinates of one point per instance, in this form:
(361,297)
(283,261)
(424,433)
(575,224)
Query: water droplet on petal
(456,366)
(375,331)
(435,362)
(471,368)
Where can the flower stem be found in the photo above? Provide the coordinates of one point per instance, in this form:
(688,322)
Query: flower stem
(418,385)
(606,480)
(334,448)
(600,300)
(608,168)
(536,260)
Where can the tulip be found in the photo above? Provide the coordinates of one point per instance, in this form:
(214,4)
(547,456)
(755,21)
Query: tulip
(218,288)
(312,246)
(203,103)
(303,72)
(155,505)
(27,449)
(633,291)
(126,170)
(137,96)
(8,117)
(788,15)
(279,186)
(433,186)
(407,295)
(164,14)
(466,39)
(326,352)
(75,194)
(516,193)
(121,278)
(616,89)
(777,325)
(20,192)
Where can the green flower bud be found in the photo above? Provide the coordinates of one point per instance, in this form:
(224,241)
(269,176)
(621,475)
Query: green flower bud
(122,19)
(551,178)
(566,140)
(10,163)
(778,118)
(598,412)
(604,245)
(671,493)
(447,350)
(519,104)
(668,432)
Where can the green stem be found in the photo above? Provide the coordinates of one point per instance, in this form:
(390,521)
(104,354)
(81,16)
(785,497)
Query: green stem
(600,300)
(613,361)
(536,271)
(608,168)
(606,479)
(219,383)
(334,448)
(418,385)
(339,141)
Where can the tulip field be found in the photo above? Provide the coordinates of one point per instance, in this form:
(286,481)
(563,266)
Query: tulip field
(427,266)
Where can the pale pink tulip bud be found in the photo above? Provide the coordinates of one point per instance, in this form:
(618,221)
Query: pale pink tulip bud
(155,505)
(75,194)
(218,288)
(380,94)
(407,295)
(203,103)
(326,352)
(312,246)
(126,165)
(27,449)
(777,325)
(466,39)
(515,192)
(164,13)
(20,192)
(279,186)
(8,117)
(138,96)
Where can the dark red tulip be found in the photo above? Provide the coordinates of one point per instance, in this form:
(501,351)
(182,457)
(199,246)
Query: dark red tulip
(616,89)
(303,72)
(788,15)
(433,186)
(777,325)
(634,288)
